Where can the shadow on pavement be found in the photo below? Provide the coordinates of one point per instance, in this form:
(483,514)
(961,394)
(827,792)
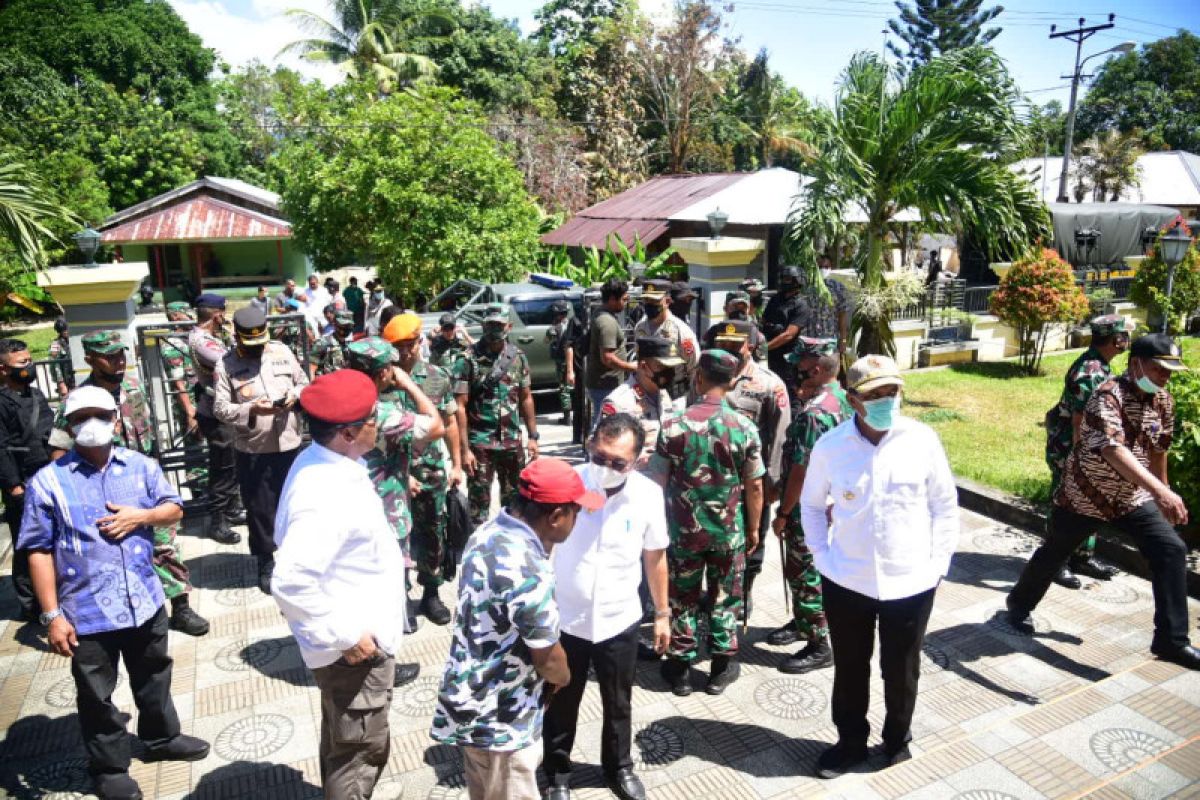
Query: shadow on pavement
(224,570)
(249,779)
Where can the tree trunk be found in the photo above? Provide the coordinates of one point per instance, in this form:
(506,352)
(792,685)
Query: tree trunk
(875,335)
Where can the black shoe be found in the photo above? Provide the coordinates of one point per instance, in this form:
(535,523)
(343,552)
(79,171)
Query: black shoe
(1066,579)
(677,674)
(237,516)
(406,673)
(410,616)
(1186,656)
(815,655)
(783,636)
(1092,568)
(266,566)
(897,755)
(840,759)
(223,534)
(181,748)
(185,620)
(1020,622)
(116,786)
(558,792)
(725,670)
(646,651)
(433,608)
(626,785)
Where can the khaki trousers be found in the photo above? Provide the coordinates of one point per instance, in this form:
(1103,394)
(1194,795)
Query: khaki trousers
(354,725)
(495,775)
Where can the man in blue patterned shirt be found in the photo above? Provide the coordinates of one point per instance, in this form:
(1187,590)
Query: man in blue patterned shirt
(89,526)
(505,647)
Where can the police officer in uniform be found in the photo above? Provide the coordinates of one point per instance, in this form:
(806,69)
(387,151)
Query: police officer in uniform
(644,395)
(781,321)
(256,385)
(737,307)
(659,320)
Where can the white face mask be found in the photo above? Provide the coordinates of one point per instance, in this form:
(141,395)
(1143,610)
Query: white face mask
(826,272)
(605,477)
(94,432)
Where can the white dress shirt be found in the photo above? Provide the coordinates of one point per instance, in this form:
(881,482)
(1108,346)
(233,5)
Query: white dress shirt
(598,568)
(339,572)
(894,509)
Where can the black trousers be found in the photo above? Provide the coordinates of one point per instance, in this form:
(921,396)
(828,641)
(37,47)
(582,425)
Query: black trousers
(852,621)
(222,466)
(94,668)
(615,661)
(261,477)
(14,509)
(1155,538)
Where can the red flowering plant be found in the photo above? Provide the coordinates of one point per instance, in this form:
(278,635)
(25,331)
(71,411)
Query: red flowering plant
(1038,293)
(1149,286)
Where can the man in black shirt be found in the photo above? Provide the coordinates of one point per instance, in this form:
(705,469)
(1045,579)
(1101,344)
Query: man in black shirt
(781,323)
(25,423)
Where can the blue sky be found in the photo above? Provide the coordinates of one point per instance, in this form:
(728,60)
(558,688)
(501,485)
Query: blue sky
(810,41)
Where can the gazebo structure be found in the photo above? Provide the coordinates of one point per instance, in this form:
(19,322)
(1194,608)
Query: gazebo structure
(221,234)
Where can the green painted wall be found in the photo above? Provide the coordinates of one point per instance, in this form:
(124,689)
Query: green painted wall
(255,258)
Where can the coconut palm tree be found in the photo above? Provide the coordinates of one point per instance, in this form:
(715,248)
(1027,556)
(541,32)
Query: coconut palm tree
(27,210)
(1106,165)
(771,113)
(376,39)
(935,139)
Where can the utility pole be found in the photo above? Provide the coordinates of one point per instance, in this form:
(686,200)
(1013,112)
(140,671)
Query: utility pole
(1077,36)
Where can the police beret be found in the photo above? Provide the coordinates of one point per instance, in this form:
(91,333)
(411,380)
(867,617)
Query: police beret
(210,300)
(250,325)
(342,397)
(719,365)
(1108,325)
(103,342)
(660,349)
(806,347)
(371,354)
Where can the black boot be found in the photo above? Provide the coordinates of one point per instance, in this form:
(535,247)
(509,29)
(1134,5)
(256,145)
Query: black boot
(783,635)
(410,615)
(1092,568)
(725,670)
(221,533)
(677,674)
(266,566)
(1066,579)
(184,619)
(815,655)
(433,608)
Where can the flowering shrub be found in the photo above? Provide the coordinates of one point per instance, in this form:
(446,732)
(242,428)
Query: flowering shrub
(1149,286)
(1038,292)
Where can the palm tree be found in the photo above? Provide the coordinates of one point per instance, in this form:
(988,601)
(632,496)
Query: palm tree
(936,140)
(1106,165)
(371,38)
(771,113)
(27,210)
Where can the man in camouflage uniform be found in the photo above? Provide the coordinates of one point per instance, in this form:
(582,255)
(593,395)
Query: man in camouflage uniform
(659,321)
(104,352)
(761,396)
(737,307)
(1110,337)
(823,407)
(826,317)
(434,471)
(644,396)
(498,396)
(62,371)
(713,457)
(561,337)
(180,374)
(329,352)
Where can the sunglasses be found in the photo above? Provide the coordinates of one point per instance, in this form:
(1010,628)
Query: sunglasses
(619,464)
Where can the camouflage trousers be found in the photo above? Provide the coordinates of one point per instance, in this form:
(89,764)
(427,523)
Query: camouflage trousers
(1087,548)
(564,389)
(171,572)
(804,584)
(687,572)
(428,537)
(503,464)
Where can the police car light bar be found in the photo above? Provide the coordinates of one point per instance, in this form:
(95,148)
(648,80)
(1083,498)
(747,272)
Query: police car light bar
(550,281)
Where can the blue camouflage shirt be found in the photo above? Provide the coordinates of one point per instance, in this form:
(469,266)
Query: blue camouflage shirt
(102,585)
(491,694)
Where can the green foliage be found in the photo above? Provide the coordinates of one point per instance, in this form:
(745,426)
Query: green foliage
(1151,91)
(1149,286)
(598,265)
(28,210)
(774,115)
(1184,455)
(1039,291)
(414,185)
(931,28)
(1046,130)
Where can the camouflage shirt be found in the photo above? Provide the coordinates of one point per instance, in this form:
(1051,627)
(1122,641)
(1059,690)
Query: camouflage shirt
(494,402)
(1086,373)
(491,695)
(389,463)
(135,428)
(61,369)
(328,354)
(819,318)
(431,465)
(448,354)
(823,412)
(711,451)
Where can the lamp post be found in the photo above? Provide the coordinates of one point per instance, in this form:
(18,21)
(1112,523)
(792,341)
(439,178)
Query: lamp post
(1076,76)
(716,221)
(1173,246)
(87,240)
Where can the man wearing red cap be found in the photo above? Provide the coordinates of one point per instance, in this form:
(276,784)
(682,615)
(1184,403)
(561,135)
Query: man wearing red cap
(505,647)
(339,580)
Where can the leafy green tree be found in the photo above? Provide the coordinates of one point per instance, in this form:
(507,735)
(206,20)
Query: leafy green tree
(931,28)
(1152,91)
(1149,286)
(935,141)
(414,185)
(1106,165)
(1045,131)
(259,106)
(773,114)
(28,211)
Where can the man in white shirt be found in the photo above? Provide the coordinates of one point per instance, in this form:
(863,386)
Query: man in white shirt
(339,580)
(596,572)
(882,547)
(316,297)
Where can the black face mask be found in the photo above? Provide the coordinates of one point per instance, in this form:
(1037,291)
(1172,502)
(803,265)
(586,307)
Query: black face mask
(652,310)
(788,286)
(23,375)
(494,333)
(663,378)
(251,351)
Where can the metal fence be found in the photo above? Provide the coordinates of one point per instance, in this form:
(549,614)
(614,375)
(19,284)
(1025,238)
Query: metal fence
(940,299)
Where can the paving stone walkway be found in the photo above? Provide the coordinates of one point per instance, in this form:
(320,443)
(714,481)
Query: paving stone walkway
(1081,709)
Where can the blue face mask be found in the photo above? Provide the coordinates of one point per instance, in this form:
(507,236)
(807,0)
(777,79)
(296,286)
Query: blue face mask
(881,412)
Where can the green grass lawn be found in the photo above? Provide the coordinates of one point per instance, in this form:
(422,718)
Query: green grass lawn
(989,416)
(38,339)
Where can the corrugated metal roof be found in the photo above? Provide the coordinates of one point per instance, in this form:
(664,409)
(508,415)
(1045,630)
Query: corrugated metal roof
(254,196)
(198,219)
(1169,178)
(590,232)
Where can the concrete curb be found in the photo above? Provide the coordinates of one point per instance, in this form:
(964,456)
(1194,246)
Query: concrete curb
(1020,513)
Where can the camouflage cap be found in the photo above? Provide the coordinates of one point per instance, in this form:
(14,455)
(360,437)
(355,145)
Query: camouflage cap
(719,365)
(751,285)
(179,307)
(103,342)
(343,318)
(370,354)
(495,313)
(807,347)
(737,297)
(1108,325)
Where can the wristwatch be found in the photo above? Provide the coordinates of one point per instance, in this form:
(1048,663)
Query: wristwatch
(46,617)
(534,436)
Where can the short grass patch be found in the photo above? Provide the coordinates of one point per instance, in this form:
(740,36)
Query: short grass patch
(990,417)
(38,339)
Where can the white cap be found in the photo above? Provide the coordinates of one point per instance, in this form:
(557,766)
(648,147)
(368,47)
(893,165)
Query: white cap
(89,397)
